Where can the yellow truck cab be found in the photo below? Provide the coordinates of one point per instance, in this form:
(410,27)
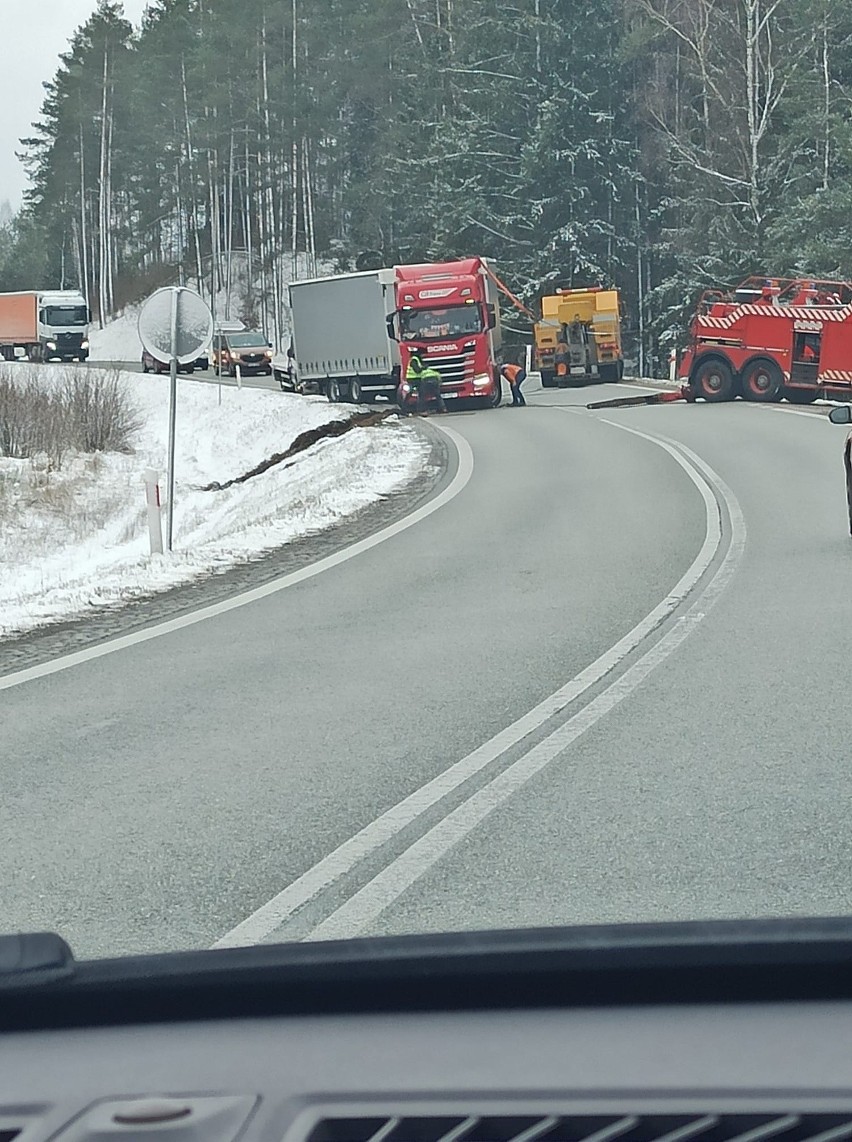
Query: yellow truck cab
(578,339)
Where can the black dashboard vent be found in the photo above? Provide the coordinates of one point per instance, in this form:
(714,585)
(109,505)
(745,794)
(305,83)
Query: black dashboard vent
(715,1127)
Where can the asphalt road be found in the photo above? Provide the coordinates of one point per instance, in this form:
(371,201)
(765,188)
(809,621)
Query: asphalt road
(250,382)
(290,768)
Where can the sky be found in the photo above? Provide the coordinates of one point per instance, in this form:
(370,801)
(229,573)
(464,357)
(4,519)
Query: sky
(34,33)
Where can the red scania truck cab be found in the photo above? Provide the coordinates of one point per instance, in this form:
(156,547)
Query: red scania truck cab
(449,313)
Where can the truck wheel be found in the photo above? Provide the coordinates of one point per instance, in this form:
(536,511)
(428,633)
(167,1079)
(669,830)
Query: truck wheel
(548,381)
(608,374)
(847,464)
(714,381)
(333,391)
(621,370)
(496,398)
(355,391)
(762,381)
(801,396)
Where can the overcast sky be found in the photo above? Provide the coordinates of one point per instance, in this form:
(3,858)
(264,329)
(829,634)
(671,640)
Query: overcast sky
(33,34)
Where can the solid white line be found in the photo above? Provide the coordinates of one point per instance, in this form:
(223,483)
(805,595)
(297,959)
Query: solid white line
(384,828)
(361,910)
(456,485)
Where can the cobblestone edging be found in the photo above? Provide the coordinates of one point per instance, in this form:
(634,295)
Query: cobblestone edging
(103,623)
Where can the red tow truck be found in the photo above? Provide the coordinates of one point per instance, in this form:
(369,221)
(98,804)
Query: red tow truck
(770,338)
(448,312)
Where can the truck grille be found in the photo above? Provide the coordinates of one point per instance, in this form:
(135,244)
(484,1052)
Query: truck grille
(456,369)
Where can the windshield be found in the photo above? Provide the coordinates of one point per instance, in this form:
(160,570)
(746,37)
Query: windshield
(432,324)
(324,644)
(62,315)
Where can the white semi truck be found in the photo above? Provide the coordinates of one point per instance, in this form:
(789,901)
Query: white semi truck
(44,325)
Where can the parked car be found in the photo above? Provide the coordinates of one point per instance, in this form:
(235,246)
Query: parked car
(249,349)
(150,364)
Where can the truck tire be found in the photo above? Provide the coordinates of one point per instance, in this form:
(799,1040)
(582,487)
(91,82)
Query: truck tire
(801,396)
(762,382)
(332,391)
(714,381)
(608,374)
(356,393)
(548,380)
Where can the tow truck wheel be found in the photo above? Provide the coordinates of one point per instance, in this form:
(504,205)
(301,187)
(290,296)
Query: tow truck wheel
(762,381)
(714,381)
(801,396)
(548,381)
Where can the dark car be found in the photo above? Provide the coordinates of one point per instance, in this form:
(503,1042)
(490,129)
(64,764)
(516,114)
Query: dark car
(150,364)
(248,350)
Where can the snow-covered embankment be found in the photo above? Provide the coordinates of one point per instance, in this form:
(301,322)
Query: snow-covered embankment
(77,537)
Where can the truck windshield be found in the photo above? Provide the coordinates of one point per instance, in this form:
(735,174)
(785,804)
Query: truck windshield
(58,315)
(431,324)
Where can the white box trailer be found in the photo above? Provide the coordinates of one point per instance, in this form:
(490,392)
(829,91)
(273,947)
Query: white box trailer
(341,341)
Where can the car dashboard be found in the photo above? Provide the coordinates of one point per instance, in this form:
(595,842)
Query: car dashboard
(718,1033)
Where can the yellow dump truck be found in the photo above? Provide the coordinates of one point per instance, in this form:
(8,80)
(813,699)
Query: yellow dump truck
(578,339)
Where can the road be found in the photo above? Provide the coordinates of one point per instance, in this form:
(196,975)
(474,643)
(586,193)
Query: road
(250,382)
(597,684)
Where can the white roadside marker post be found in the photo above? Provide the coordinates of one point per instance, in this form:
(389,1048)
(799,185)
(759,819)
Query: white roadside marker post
(170,505)
(239,373)
(155,515)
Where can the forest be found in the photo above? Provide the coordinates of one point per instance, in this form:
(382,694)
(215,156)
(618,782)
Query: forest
(660,145)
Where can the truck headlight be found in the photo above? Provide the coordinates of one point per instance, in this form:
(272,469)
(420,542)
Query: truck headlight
(84,344)
(51,345)
(481,382)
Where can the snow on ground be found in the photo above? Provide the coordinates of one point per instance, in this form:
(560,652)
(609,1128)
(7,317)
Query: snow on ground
(119,341)
(77,537)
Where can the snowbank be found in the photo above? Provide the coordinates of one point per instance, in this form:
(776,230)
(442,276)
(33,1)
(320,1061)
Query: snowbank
(119,341)
(78,537)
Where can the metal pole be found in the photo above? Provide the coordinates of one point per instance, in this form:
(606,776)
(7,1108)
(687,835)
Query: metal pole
(172,411)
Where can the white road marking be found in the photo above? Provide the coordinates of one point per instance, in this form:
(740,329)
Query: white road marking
(362,909)
(384,828)
(65,662)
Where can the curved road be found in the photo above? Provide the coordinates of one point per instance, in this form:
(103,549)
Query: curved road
(475,722)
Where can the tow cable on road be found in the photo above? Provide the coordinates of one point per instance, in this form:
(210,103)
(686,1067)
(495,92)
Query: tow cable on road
(684,393)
